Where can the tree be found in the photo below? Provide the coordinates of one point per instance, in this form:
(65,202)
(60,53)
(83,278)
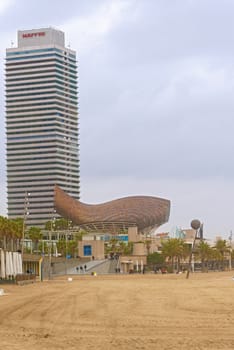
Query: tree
(204,253)
(148,243)
(155,260)
(120,247)
(10,232)
(232,253)
(3,231)
(112,246)
(128,248)
(67,247)
(78,236)
(174,249)
(35,234)
(61,247)
(17,231)
(58,224)
(221,247)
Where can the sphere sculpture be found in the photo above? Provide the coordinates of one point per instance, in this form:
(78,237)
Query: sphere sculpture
(145,212)
(195,224)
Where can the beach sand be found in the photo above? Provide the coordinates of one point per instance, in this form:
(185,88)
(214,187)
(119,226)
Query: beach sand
(120,312)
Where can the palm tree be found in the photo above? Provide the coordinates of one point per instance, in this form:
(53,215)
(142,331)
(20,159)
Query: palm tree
(17,227)
(204,253)
(3,231)
(35,234)
(183,252)
(128,248)
(173,248)
(112,246)
(10,232)
(221,247)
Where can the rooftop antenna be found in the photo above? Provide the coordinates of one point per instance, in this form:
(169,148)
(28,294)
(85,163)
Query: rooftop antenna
(12,43)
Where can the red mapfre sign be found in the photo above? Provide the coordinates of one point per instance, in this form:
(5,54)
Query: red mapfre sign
(33,35)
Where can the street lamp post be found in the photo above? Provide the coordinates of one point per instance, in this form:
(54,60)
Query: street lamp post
(66,250)
(26,213)
(50,243)
(230,257)
(195,224)
(66,254)
(50,259)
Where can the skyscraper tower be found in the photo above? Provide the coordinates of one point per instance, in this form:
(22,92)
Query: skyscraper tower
(41,123)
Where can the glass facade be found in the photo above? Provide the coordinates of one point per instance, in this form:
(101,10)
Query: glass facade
(42,129)
(87,250)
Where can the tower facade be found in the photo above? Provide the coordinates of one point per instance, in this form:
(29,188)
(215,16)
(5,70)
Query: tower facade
(41,124)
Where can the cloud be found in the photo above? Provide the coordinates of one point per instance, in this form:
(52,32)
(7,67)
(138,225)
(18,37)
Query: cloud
(89,30)
(5,5)
(174,120)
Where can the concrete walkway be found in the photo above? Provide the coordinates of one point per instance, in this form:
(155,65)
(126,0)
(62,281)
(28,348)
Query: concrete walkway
(101,267)
(90,266)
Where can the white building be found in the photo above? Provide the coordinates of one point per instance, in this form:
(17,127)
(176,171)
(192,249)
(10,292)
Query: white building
(41,123)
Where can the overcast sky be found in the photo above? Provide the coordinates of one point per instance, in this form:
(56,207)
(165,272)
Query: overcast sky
(156,100)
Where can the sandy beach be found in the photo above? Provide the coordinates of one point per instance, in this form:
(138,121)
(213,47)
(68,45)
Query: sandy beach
(120,312)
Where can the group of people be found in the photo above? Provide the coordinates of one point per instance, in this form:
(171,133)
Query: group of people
(81,269)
